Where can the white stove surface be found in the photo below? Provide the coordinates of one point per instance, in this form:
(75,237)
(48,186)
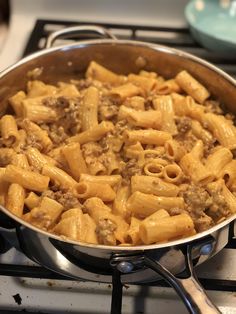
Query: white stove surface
(65,296)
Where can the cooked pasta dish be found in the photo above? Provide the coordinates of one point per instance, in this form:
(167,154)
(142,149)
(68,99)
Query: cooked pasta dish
(118,160)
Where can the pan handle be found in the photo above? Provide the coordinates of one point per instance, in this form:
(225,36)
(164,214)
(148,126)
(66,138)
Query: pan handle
(189,289)
(76,30)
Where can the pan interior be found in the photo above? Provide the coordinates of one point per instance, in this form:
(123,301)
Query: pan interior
(70,62)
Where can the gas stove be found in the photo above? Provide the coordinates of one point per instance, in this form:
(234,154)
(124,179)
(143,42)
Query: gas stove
(28,287)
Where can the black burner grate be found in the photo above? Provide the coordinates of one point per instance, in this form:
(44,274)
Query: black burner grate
(43,273)
(179,38)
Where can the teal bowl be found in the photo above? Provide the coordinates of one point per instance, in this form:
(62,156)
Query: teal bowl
(213,24)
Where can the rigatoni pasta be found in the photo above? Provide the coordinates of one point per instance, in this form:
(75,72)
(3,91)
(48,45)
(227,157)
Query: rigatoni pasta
(9,130)
(116,159)
(223,130)
(15,199)
(75,159)
(165,105)
(89,110)
(152,185)
(146,119)
(192,87)
(166,228)
(152,137)
(28,179)
(93,134)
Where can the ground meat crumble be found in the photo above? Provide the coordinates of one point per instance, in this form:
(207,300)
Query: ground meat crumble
(105,232)
(130,169)
(56,134)
(183,124)
(197,201)
(219,208)
(66,199)
(68,115)
(108,109)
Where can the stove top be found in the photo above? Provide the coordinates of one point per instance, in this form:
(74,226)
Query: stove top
(176,37)
(27,287)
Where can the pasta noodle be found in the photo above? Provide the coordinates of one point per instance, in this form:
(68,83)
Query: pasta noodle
(119,205)
(146,119)
(124,91)
(90,108)
(26,178)
(32,200)
(222,129)
(200,132)
(3,187)
(165,105)
(218,160)
(16,102)
(9,130)
(72,227)
(75,159)
(36,159)
(37,133)
(165,228)
(15,199)
(153,185)
(154,168)
(39,113)
(174,150)
(144,205)
(135,102)
(116,159)
(59,176)
(192,87)
(98,72)
(192,166)
(228,173)
(172,173)
(186,106)
(167,87)
(147,84)
(152,137)
(20,160)
(92,189)
(111,179)
(133,234)
(94,134)
(21,142)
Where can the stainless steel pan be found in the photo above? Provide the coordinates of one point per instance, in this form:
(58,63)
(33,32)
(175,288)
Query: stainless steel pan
(96,262)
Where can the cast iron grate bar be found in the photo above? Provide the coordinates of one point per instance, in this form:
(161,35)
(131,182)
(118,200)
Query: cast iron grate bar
(116,300)
(171,36)
(43,273)
(182,35)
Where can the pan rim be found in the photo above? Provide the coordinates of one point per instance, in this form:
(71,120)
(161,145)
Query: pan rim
(113,42)
(164,245)
(152,46)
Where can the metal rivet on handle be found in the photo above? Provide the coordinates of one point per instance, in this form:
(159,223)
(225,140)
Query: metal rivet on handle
(125,267)
(206,249)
